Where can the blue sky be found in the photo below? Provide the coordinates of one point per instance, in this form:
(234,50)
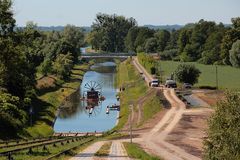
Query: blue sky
(156,12)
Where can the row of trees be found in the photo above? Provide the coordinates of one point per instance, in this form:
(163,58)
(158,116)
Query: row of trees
(205,41)
(23,53)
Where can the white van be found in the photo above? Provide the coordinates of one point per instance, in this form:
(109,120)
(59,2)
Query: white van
(154,83)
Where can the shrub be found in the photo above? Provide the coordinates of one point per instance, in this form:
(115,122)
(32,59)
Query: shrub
(223,141)
(168,54)
(187,73)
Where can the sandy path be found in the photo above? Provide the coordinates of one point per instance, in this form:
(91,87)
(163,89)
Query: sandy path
(117,152)
(88,153)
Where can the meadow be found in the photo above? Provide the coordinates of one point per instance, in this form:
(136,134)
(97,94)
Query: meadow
(228,77)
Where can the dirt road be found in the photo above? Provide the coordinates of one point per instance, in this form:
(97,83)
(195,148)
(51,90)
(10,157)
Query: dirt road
(155,141)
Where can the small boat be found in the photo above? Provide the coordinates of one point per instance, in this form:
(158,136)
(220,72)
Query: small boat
(115,106)
(107,110)
(91,110)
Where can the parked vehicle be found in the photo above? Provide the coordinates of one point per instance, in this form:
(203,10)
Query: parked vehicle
(154,83)
(187,85)
(170,84)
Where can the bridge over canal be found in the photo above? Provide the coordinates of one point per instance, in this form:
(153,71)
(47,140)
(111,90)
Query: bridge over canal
(106,55)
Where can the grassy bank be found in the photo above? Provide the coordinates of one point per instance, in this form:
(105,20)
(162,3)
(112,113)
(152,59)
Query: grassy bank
(134,151)
(135,87)
(51,150)
(152,106)
(50,99)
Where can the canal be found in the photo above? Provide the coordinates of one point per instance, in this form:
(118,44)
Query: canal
(73,115)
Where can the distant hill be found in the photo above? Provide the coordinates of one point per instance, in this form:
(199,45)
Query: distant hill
(88,29)
(60,28)
(167,27)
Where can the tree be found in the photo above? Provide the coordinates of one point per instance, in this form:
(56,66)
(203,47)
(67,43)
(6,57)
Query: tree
(131,38)
(46,67)
(7,22)
(11,116)
(169,54)
(212,46)
(223,140)
(172,43)
(234,54)
(73,35)
(236,22)
(163,37)
(189,53)
(63,65)
(110,32)
(15,69)
(151,45)
(143,34)
(187,73)
(184,38)
(231,36)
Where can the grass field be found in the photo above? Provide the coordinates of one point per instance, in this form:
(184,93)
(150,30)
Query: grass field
(134,86)
(134,151)
(228,77)
(47,103)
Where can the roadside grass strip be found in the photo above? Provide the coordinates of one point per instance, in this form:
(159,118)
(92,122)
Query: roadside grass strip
(134,151)
(104,150)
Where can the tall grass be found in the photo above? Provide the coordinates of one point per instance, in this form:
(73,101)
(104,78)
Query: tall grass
(151,106)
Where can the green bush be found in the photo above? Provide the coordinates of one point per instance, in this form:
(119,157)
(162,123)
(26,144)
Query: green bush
(223,141)
(187,73)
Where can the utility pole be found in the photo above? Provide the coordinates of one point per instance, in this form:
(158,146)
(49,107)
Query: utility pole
(160,72)
(216,77)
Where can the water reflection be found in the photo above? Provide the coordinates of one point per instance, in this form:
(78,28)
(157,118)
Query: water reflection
(74,116)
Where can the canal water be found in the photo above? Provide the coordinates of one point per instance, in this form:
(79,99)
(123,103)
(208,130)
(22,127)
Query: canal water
(73,115)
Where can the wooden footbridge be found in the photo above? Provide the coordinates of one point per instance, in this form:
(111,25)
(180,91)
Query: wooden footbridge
(77,134)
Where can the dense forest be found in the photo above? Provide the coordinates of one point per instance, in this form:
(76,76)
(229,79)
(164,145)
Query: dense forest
(205,41)
(25,55)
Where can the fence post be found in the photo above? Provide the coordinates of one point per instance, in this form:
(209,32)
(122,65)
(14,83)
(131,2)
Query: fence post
(9,156)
